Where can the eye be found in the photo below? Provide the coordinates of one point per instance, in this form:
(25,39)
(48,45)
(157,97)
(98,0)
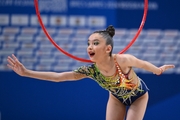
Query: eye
(96,43)
(88,44)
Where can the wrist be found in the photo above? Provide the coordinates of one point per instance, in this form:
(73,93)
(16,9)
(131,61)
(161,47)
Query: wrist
(26,73)
(161,71)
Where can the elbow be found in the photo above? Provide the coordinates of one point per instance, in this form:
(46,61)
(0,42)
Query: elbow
(59,78)
(55,78)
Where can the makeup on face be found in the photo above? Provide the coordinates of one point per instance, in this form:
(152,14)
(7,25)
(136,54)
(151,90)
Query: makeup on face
(91,44)
(95,45)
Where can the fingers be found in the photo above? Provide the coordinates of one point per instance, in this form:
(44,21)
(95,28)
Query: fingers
(15,59)
(10,66)
(12,61)
(170,66)
(166,67)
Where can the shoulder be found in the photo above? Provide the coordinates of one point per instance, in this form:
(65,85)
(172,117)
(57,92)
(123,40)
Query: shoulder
(122,58)
(127,60)
(85,69)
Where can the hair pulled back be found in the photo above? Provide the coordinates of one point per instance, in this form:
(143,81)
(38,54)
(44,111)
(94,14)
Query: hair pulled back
(108,35)
(111,31)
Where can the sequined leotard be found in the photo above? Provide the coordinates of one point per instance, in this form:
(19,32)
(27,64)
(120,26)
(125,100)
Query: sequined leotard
(120,86)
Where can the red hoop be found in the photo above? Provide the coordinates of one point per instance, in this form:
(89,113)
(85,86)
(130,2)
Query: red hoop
(85,60)
(140,28)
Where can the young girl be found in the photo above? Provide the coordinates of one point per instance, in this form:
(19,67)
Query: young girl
(113,72)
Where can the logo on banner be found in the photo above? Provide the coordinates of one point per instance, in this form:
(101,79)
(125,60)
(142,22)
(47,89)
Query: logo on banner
(53,5)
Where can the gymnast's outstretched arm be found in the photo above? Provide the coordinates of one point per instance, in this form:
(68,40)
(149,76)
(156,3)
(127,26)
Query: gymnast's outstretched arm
(19,68)
(131,61)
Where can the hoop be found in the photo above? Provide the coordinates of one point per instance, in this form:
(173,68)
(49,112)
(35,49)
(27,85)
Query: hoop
(82,59)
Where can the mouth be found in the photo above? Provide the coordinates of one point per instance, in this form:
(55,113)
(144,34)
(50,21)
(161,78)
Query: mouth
(91,54)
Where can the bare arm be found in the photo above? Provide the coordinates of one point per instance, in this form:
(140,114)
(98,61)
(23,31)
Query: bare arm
(19,68)
(131,61)
(54,76)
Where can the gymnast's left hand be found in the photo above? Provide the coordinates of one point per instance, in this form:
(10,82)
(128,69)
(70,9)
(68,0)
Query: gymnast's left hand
(166,67)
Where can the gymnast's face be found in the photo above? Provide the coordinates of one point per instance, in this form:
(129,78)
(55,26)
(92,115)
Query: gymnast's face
(97,48)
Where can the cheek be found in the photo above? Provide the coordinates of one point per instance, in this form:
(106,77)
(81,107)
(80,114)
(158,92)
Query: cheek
(101,50)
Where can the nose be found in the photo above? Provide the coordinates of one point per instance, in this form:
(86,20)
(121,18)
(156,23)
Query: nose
(89,47)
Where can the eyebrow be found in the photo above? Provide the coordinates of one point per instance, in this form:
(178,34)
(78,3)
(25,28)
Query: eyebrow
(93,40)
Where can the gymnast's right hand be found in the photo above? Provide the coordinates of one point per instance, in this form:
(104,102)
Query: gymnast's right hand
(16,66)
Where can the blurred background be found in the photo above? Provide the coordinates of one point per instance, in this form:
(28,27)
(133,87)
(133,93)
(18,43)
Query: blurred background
(70,22)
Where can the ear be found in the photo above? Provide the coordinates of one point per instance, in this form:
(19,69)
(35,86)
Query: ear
(108,49)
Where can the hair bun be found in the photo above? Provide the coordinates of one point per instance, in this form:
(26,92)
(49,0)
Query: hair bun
(110,29)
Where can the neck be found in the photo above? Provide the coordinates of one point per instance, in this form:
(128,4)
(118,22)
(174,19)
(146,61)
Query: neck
(106,65)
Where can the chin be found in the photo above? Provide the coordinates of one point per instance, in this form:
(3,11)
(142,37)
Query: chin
(93,60)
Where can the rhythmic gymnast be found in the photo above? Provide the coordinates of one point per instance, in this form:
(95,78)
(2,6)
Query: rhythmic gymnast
(113,72)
